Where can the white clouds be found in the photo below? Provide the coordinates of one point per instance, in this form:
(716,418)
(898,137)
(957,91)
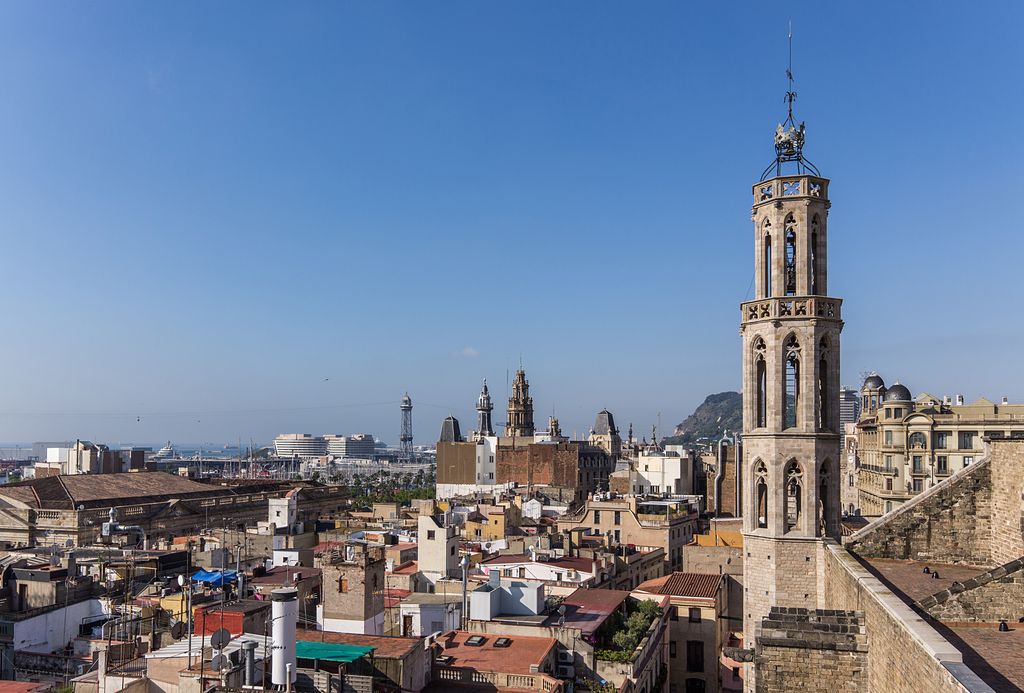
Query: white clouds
(469,352)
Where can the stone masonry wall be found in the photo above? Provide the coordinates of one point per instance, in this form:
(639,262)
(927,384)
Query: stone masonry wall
(1007,543)
(949,523)
(821,651)
(905,654)
(991,596)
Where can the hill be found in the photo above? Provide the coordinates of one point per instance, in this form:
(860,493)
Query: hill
(717,413)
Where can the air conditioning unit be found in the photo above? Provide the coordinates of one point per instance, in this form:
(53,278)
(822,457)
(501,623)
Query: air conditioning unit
(566,672)
(566,656)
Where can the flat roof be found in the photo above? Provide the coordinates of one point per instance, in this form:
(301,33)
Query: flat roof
(383,645)
(995,657)
(588,609)
(522,652)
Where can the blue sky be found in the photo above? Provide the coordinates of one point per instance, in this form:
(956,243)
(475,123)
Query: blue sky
(229,220)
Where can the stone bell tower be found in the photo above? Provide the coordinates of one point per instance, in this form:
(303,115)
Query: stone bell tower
(791,429)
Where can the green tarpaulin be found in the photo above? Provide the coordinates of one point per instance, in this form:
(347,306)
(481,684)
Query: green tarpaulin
(330,651)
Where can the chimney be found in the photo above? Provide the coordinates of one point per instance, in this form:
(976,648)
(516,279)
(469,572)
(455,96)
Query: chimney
(249,652)
(1006,400)
(959,400)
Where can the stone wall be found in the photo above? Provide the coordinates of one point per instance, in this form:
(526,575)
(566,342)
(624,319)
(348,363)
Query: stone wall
(821,651)
(991,596)
(910,656)
(949,523)
(1007,459)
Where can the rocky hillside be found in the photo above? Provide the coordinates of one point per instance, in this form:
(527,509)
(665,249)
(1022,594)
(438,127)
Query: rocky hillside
(719,412)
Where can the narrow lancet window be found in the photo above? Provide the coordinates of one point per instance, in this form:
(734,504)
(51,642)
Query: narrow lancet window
(767,265)
(790,272)
(794,496)
(761,376)
(814,257)
(791,384)
(761,495)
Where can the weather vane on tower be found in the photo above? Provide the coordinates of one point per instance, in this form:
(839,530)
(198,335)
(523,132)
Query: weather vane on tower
(789,137)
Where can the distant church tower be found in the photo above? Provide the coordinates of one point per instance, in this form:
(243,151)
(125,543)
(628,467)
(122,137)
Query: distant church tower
(483,413)
(790,336)
(520,408)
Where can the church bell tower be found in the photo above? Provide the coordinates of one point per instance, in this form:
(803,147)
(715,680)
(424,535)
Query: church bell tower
(791,430)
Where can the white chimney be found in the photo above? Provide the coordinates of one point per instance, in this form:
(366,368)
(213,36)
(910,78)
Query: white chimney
(1006,400)
(284,616)
(959,400)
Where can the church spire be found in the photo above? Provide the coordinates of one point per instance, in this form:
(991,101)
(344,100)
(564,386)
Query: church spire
(483,412)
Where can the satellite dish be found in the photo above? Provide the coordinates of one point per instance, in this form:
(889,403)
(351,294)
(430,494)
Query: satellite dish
(220,638)
(218,662)
(177,630)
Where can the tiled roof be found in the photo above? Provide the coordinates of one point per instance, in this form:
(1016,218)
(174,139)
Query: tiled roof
(70,491)
(698,585)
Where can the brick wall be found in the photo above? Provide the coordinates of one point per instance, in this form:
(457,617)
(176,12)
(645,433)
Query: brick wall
(907,655)
(991,596)
(947,524)
(820,651)
(1007,543)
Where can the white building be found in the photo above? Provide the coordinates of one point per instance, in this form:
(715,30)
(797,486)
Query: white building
(658,471)
(423,614)
(360,445)
(299,445)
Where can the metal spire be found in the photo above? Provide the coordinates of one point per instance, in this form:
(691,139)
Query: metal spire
(789,136)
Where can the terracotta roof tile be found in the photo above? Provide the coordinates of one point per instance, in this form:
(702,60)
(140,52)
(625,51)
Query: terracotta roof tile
(698,585)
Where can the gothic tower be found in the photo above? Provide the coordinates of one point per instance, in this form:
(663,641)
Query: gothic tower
(520,408)
(791,441)
(483,413)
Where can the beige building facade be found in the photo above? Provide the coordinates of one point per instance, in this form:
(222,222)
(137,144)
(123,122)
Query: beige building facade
(907,445)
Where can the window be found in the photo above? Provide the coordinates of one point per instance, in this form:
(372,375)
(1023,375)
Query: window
(674,612)
(888,506)
(343,584)
(942,464)
(888,483)
(791,383)
(767,259)
(597,517)
(968,460)
(761,494)
(451,552)
(558,576)
(917,462)
(849,480)
(672,649)
(940,439)
(824,422)
(694,615)
(918,485)
(793,496)
(888,412)
(888,437)
(917,440)
(430,534)
(898,412)
(618,517)
(761,374)
(967,440)
(814,256)
(790,269)
(888,463)
(694,655)
(490,475)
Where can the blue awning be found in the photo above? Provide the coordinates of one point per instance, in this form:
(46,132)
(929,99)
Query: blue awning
(217,578)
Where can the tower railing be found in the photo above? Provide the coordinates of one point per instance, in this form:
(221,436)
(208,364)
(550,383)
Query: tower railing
(791,307)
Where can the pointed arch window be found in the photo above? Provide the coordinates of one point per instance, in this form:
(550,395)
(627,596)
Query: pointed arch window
(814,256)
(794,495)
(790,270)
(791,383)
(761,386)
(761,494)
(824,502)
(824,420)
(767,264)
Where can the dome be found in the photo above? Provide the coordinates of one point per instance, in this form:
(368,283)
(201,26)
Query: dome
(897,393)
(873,382)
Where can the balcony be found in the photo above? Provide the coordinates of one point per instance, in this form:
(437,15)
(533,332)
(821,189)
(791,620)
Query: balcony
(497,679)
(791,308)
